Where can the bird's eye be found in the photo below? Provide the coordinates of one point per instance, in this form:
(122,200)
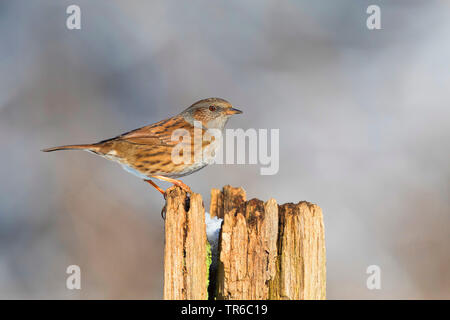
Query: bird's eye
(212,108)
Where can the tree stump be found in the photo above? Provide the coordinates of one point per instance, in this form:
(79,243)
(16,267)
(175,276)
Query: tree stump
(266,251)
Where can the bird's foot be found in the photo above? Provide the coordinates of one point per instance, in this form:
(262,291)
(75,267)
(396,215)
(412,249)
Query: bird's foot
(163,212)
(178,183)
(183,186)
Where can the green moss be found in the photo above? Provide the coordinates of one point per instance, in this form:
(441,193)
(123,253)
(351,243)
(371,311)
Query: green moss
(208,264)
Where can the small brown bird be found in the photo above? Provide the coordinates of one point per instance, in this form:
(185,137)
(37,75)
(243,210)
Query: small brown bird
(148,152)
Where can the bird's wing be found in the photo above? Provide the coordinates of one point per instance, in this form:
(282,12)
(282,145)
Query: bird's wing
(149,140)
(159,133)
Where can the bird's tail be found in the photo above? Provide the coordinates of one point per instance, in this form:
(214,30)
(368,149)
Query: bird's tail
(90,147)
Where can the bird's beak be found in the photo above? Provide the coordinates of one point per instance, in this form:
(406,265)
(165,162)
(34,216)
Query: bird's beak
(231,111)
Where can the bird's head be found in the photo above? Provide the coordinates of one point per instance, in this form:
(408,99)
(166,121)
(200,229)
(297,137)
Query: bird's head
(213,113)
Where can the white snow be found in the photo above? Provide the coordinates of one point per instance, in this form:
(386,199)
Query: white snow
(213,226)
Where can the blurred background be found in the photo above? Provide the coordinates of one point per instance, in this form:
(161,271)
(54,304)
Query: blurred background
(364,132)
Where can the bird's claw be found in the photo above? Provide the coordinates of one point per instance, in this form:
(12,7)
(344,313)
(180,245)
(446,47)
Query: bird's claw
(163,213)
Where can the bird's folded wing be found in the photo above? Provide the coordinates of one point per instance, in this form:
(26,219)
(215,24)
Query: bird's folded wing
(159,133)
(149,140)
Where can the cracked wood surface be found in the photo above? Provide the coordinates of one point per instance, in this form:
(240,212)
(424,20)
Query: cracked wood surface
(185,270)
(266,250)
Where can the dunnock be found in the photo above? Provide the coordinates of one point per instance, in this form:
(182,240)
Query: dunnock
(147,152)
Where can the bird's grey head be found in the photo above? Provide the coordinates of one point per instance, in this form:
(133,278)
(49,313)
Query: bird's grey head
(212,113)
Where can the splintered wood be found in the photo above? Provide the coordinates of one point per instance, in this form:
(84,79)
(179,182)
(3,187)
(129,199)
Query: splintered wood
(301,253)
(248,250)
(185,269)
(268,251)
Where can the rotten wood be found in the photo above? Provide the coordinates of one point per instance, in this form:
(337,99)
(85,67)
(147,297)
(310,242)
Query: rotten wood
(266,251)
(301,272)
(185,269)
(248,250)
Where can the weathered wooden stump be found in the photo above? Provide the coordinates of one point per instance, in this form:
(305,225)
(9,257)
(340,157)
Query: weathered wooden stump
(266,251)
(185,267)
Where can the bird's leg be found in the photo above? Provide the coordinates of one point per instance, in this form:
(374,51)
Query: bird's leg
(175,182)
(156,187)
(163,211)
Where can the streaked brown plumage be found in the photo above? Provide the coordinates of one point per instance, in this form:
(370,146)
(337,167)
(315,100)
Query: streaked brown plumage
(147,151)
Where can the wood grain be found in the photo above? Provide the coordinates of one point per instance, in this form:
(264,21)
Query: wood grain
(266,251)
(301,272)
(185,270)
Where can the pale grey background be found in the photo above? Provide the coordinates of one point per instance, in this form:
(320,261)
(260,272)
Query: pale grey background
(363,118)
